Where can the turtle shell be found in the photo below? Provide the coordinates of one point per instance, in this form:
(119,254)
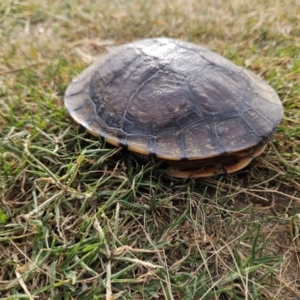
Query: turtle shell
(173,99)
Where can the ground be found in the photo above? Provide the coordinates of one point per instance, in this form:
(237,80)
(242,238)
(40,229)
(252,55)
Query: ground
(80,219)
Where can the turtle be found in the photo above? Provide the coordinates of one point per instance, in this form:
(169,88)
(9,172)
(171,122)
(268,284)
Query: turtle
(179,102)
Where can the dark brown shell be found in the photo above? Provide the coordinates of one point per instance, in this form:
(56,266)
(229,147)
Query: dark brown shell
(173,99)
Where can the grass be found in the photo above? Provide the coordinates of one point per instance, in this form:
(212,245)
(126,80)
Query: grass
(80,219)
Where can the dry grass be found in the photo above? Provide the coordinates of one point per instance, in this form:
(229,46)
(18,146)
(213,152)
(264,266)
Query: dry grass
(82,220)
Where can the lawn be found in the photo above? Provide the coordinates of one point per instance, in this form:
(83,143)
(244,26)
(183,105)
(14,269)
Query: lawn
(80,219)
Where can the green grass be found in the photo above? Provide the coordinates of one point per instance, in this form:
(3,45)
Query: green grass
(80,219)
